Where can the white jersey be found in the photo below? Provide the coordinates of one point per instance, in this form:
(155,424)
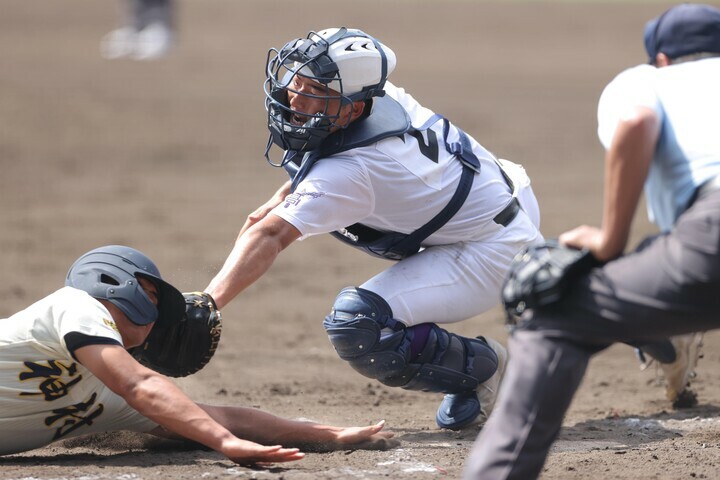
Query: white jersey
(688,152)
(45,394)
(397,185)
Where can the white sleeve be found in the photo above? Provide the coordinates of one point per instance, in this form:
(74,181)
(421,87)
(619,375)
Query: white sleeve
(336,193)
(85,315)
(632,88)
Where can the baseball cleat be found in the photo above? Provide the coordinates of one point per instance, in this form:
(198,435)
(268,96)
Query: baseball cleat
(460,410)
(688,349)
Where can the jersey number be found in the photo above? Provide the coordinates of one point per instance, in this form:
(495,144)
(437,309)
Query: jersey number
(429,149)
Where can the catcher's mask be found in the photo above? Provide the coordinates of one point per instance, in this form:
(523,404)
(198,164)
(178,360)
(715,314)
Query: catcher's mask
(351,65)
(111,272)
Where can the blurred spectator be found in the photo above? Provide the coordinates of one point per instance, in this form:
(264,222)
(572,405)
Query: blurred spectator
(148,31)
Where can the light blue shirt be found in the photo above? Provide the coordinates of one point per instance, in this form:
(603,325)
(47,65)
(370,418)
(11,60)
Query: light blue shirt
(686,98)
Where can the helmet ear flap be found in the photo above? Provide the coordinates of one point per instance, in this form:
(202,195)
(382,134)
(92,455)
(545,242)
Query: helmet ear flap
(112,273)
(108,280)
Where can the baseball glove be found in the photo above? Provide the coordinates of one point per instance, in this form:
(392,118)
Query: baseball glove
(184,347)
(540,275)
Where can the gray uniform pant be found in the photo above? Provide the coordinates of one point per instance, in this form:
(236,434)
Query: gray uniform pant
(670,285)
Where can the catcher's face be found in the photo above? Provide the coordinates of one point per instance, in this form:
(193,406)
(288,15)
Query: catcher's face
(308,98)
(132,334)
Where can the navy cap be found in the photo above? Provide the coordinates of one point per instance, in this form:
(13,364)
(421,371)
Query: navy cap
(683,30)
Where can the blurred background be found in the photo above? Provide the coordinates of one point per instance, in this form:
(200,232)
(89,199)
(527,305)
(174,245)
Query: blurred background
(167,154)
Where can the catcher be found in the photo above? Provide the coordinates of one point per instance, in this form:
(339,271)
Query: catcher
(375,169)
(66,368)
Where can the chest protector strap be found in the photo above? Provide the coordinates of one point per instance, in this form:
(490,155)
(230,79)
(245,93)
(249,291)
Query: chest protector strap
(389,119)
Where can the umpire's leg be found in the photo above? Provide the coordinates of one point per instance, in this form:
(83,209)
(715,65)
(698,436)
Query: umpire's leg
(541,378)
(668,287)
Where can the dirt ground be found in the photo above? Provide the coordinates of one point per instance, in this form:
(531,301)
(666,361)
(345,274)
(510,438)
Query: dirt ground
(166,156)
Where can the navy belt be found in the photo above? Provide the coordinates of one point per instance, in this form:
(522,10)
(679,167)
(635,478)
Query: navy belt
(509,213)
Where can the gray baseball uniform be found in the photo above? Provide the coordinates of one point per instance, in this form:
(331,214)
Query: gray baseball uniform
(667,286)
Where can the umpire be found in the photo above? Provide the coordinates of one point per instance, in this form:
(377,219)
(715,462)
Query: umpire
(658,124)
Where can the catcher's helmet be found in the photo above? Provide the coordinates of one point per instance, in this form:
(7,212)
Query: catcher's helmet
(347,61)
(111,272)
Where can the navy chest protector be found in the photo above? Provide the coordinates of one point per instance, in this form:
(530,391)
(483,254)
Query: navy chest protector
(389,119)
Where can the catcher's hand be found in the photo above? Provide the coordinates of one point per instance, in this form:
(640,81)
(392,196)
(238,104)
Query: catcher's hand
(540,275)
(184,347)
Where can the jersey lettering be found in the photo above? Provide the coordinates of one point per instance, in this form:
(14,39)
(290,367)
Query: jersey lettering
(54,386)
(75,416)
(295,198)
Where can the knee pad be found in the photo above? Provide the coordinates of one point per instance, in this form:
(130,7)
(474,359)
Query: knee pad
(355,322)
(354,326)
(446,363)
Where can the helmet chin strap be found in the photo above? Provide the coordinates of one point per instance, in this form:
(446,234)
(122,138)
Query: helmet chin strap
(379,89)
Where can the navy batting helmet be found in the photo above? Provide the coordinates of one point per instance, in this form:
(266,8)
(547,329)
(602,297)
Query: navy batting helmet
(111,273)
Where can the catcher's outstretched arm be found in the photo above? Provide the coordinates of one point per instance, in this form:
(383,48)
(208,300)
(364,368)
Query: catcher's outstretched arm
(253,254)
(262,211)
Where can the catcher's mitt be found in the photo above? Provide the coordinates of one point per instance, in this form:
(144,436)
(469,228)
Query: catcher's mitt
(539,275)
(182,348)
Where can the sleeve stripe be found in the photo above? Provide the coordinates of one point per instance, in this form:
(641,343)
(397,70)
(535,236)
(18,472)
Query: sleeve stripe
(75,340)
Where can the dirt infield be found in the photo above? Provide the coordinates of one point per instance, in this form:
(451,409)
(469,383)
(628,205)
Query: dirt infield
(167,157)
